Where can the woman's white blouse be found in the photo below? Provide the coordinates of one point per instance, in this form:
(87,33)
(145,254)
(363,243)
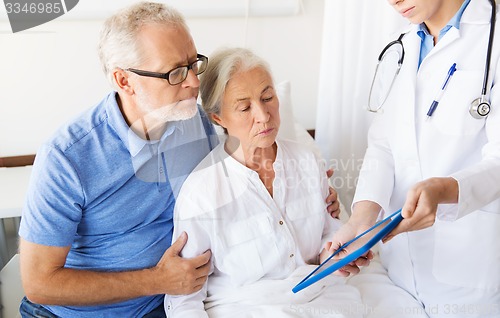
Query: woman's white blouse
(224,206)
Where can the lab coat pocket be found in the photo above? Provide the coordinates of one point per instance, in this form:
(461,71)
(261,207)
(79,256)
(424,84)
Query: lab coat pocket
(244,244)
(467,251)
(452,116)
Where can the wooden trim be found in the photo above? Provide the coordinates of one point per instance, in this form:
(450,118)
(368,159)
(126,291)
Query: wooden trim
(17,161)
(312,132)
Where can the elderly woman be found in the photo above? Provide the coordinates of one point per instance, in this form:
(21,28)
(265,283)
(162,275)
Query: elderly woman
(258,204)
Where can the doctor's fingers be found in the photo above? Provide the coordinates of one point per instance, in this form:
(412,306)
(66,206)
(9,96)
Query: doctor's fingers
(412,200)
(411,224)
(421,199)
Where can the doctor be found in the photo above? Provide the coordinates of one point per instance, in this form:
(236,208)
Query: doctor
(443,168)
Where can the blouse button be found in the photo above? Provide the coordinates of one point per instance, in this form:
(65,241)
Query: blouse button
(291,255)
(281,222)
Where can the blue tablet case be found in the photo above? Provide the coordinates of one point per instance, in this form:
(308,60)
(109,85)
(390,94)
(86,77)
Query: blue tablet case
(313,277)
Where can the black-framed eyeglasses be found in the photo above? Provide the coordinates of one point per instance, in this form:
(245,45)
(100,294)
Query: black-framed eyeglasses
(178,74)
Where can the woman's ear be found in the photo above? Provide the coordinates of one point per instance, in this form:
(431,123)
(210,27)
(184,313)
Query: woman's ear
(121,79)
(217,119)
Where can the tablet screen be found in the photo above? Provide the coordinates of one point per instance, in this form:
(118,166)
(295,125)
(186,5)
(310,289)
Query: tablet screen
(330,265)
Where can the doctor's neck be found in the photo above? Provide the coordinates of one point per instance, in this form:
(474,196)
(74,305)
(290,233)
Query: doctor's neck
(440,16)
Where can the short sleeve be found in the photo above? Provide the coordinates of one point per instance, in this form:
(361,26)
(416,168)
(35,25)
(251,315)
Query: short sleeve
(54,200)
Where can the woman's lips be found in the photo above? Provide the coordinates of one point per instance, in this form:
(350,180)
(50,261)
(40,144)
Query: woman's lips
(406,12)
(266,132)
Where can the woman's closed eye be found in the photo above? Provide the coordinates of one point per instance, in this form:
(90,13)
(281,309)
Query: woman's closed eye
(267,99)
(244,108)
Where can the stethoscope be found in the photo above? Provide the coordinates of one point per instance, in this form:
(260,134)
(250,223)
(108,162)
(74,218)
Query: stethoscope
(479,108)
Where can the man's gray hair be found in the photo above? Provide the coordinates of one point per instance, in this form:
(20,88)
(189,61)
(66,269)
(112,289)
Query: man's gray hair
(222,66)
(118,45)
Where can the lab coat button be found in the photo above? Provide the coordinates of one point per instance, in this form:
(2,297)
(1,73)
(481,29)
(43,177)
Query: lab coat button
(291,255)
(281,222)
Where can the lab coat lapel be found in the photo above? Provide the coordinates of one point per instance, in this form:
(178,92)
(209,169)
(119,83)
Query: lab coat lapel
(452,35)
(406,107)
(477,12)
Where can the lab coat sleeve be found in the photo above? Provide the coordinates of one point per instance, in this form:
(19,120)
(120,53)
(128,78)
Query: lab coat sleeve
(187,219)
(376,177)
(479,185)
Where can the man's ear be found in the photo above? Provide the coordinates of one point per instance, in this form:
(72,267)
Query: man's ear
(121,78)
(217,119)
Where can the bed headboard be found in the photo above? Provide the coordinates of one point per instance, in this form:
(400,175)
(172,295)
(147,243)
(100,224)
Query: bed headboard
(17,161)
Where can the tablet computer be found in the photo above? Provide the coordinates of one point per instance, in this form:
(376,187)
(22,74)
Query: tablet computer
(330,265)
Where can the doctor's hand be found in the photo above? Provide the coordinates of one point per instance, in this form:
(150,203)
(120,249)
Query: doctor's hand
(419,210)
(346,233)
(180,276)
(333,204)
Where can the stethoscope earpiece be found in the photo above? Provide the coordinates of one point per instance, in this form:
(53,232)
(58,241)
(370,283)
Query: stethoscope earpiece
(479,108)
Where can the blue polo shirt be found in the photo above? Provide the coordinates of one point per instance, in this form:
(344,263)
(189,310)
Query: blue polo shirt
(110,195)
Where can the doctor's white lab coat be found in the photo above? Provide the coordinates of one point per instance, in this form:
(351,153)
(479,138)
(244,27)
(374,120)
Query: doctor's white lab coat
(459,255)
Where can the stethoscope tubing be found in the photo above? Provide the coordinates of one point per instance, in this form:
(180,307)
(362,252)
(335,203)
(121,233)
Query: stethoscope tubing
(490,47)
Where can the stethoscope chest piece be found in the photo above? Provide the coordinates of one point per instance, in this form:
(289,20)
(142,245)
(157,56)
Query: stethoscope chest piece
(479,108)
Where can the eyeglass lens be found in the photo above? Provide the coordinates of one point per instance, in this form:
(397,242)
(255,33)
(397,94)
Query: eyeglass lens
(178,75)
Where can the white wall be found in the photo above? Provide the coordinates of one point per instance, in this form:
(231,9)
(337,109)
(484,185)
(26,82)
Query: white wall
(51,73)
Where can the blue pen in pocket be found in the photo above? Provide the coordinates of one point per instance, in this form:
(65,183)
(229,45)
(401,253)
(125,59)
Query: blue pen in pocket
(435,102)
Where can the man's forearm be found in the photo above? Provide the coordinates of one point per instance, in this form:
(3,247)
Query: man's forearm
(70,287)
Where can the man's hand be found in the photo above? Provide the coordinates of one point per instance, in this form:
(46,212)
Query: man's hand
(419,210)
(181,276)
(333,205)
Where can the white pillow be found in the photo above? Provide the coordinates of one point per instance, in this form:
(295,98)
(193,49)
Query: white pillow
(287,127)
(290,128)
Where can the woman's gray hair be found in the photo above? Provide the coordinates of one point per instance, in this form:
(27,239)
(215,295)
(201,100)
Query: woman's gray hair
(222,66)
(118,45)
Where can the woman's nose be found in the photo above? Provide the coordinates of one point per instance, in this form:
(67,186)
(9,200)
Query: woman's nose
(262,113)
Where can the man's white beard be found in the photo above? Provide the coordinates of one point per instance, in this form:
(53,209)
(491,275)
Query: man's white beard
(181,110)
